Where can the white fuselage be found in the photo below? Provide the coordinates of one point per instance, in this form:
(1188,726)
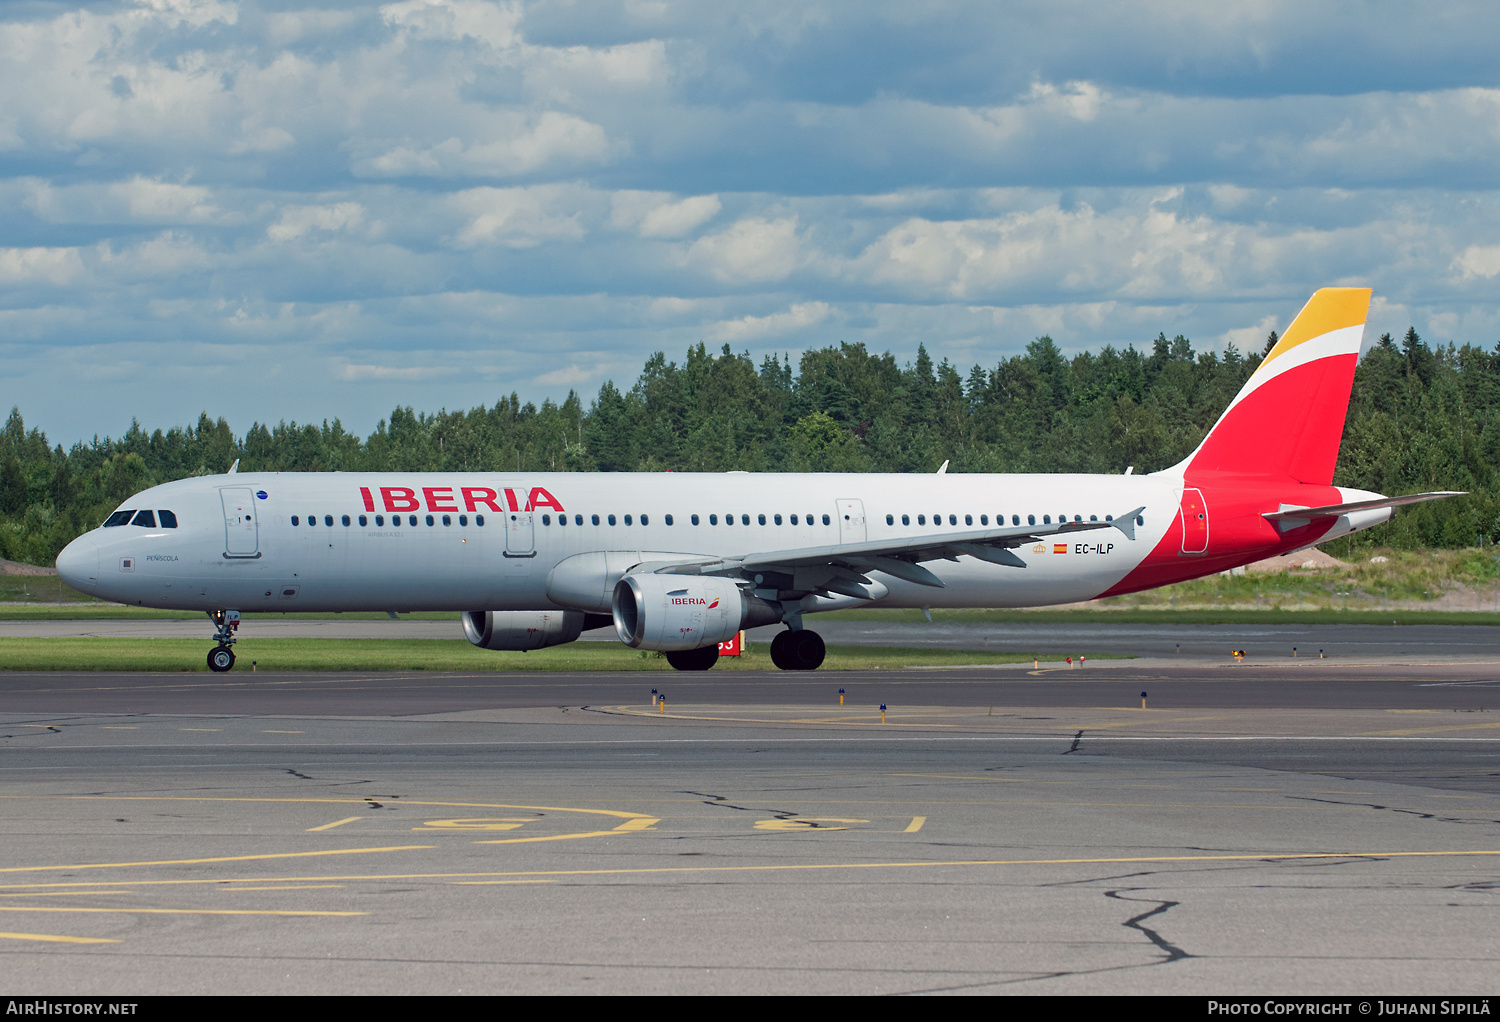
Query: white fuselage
(406,542)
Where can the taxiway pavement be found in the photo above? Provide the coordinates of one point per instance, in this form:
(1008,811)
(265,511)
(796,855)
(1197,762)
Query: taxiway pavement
(1284,828)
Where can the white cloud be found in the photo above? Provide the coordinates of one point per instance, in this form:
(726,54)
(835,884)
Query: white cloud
(296,222)
(1478,261)
(493,24)
(350,371)
(753,250)
(514,217)
(656,215)
(799,316)
(524,145)
(158,201)
(39,265)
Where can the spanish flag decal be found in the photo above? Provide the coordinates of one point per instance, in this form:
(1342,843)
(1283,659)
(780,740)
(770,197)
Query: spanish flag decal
(1059,548)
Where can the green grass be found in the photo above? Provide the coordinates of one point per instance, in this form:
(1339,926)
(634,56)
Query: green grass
(111,654)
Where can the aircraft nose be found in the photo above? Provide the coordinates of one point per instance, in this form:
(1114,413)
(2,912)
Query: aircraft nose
(78,564)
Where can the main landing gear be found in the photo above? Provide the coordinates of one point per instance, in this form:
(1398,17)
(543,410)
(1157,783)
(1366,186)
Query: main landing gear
(226,623)
(800,650)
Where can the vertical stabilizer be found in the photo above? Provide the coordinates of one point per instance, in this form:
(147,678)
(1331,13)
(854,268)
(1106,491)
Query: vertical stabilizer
(1288,419)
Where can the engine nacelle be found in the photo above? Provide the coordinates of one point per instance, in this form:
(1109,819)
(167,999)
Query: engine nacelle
(673,612)
(521,629)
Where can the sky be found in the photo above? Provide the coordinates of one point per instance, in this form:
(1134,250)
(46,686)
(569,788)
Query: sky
(284,210)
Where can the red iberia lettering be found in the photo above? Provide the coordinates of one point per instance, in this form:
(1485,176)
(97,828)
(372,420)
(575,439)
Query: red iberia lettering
(540,498)
(510,498)
(399,498)
(364,491)
(437,493)
(476,495)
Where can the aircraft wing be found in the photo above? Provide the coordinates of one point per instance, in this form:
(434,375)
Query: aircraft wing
(840,568)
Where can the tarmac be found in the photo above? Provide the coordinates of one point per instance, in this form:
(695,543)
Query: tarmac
(1272,827)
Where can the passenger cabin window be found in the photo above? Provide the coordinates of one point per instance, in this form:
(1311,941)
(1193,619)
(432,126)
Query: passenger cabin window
(328,520)
(379,521)
(1031,519)
(668,519)
(645,520)
(777,519)
(713,519)
(168,519)
(890,519)
(118,518)
(968,519)
(430,521)
(578,519)
(1046,519)
(611,519)
(345,520)
(794,519)
(761,519)
(1016,520)
(463,519)
(827,520)
(695,520)
(745,520)
(363,521)
(147,519)
(921,519)
(906,519)
(312,519)
(984,519)
(294,519)
(411,520)
(448,519)
(479,520)
(596,519)
(627,519)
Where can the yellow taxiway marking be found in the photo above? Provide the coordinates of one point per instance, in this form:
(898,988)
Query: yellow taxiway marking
(57,938)
(283,732)
(117,727)
(805,823)
(915,824)
(823,866)
(335,823)
(43,726)
(200,729)
(617,813)
(296,887)
(496,883)
(221,858)
(180,911)
(1431,730)
(55,894)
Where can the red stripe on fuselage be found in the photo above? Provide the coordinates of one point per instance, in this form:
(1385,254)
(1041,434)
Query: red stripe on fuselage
(1237,533)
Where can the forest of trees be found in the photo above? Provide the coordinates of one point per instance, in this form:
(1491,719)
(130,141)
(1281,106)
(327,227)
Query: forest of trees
(1421,418)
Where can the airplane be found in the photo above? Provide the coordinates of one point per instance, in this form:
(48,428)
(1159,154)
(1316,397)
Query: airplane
(678,562)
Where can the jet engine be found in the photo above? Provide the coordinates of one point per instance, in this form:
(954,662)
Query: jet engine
(677,612)
(521,629)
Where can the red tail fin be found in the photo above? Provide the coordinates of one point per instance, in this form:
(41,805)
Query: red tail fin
(1288,419)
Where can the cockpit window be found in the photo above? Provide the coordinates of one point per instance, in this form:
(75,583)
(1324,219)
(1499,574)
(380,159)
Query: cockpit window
(168,519)
(146,519)
(118,518)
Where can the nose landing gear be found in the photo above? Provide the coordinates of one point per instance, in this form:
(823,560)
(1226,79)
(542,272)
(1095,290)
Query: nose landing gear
(226,623)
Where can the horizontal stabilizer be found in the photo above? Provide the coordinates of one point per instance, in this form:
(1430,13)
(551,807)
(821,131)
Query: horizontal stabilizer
(1290,514)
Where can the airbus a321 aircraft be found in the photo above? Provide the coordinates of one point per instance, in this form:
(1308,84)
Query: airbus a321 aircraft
(678,562)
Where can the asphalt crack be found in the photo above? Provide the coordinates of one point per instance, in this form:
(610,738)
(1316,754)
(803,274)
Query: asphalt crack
(1419,814)
(1173,952)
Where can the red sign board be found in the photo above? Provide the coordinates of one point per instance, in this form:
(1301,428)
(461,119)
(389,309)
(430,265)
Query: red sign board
(733,646)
